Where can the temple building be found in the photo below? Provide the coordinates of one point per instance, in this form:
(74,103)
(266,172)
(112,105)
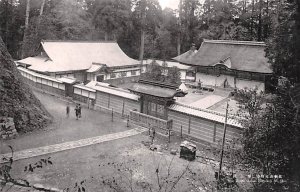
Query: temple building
(229,64)
(84,61)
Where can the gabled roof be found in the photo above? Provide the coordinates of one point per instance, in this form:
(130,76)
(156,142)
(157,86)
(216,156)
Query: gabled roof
(186,57)
(79,55)
(157,89)
(243,55)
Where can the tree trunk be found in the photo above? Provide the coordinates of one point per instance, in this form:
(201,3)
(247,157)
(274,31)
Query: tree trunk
(267,23)
(42,7)
(259,29)
(26,28)
(179,28)
(252,21)
(142,45)
(106,36)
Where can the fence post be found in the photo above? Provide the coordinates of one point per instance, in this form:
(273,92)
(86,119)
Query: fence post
(123,108)
(181,131)
(112,114)
(127,121)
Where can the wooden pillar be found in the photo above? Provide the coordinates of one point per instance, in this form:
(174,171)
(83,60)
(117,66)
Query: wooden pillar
(165,110)
(215,132)
(108,103)
(189,128)
(142,104)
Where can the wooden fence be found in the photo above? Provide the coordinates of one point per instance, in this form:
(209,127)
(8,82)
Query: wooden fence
(43,82)
(151,122)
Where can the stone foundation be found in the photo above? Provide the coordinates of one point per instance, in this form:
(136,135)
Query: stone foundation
(7,128)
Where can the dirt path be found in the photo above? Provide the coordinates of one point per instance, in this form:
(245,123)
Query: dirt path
(45,150)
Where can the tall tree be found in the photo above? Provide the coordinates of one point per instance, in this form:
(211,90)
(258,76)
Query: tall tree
(284,45)
(147,14)
(111,17)
(26,27)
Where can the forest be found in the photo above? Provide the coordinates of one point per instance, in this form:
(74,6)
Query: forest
(144,30)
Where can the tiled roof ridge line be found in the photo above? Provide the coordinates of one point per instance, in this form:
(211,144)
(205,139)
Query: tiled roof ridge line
(77,41)
(257,43)
(113,88)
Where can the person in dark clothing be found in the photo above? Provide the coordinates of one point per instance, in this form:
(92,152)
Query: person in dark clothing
(68,110)
(79,110)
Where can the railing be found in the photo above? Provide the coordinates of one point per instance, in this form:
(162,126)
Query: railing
(150,121)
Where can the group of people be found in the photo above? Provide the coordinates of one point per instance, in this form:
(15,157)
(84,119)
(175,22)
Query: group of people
(77,111)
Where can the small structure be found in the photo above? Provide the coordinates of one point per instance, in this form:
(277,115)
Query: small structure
(183,88)
(188,150)
(155,97)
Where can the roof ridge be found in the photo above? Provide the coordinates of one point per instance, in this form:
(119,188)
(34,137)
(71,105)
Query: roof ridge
(113,88)
(78,41)
(259,43)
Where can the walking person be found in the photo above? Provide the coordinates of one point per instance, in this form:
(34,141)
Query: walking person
(77,111)
(68,110)
(153,134)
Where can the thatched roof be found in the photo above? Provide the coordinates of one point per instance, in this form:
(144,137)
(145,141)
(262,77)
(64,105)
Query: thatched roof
(238,55)
(78,55)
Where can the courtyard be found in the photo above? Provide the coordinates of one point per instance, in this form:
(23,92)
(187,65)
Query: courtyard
(94,162)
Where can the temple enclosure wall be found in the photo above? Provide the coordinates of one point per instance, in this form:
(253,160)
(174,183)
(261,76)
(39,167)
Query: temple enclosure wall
(189,124)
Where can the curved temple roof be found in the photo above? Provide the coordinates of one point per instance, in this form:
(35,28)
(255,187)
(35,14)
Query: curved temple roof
(243,55)
(79,55)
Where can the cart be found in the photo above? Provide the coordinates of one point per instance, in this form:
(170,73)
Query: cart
(188,150)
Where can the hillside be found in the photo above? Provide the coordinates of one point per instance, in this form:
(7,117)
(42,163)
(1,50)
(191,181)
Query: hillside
(16,98)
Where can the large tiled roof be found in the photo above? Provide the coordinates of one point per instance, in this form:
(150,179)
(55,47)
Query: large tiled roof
(204,113)
(239,55)
(186,57)
(78,55)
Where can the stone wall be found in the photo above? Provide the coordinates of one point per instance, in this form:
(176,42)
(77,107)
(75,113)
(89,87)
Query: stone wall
(7,128)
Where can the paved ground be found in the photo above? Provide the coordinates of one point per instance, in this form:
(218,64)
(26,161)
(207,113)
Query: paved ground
(97,162)
(46,150)
(63,129)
